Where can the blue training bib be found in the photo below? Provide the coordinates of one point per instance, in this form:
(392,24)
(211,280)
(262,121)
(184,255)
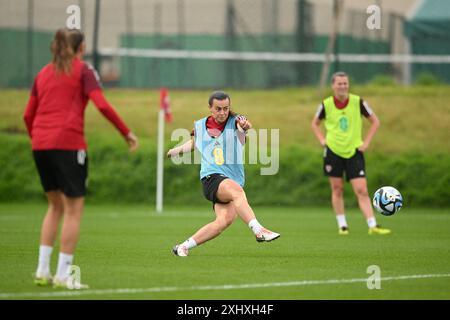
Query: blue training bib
(224,154)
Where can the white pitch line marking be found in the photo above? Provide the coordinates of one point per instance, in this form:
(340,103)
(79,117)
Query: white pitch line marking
(205,288)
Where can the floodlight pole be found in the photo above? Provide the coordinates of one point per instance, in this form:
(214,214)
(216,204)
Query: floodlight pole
(406,74)
(30,42)
(95,40)
(334,33)
(336,11)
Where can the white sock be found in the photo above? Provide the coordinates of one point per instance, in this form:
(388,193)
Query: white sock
(341,220)
(64,263)
(255,226)
(190,243)
(371,222)
(45,252)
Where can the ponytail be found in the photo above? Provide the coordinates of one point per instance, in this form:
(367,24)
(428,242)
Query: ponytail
(65,45)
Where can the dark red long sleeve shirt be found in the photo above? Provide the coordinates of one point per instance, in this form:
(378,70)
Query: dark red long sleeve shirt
(54,115)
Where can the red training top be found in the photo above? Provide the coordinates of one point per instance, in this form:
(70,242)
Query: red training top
(54,115)
(214,129)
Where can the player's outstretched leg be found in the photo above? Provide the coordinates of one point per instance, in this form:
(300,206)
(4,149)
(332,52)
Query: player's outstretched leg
(230,191)
(225,215)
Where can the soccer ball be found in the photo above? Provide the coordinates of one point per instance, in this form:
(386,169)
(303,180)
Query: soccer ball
(387,200)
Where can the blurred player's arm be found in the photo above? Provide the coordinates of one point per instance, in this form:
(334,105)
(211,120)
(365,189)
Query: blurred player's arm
(184,148)
(315,124)
(374,124)
(30,110)
(108,111)
(90,81)
(367,112)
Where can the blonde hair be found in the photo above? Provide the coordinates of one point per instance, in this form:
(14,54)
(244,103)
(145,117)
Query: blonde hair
(64,47)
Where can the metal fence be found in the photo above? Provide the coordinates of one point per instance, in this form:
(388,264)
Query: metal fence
(262,26)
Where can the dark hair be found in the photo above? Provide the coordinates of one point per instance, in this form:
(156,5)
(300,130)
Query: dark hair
(220,95)
(64,47)
(338,74)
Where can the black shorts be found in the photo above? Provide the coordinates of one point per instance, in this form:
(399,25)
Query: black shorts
(335,166)
(211,185)
(63,170)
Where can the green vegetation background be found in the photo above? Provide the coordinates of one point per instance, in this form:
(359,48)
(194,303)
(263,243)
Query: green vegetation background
(410,150)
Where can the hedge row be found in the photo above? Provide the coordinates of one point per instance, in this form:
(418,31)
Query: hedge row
(115,175)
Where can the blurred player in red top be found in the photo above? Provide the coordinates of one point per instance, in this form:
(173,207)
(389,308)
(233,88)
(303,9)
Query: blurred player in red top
(54,117)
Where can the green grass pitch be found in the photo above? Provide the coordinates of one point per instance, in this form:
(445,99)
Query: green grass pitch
(125,253)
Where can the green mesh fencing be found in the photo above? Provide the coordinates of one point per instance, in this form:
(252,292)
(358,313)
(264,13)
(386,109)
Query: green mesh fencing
(194,73)
(23,55)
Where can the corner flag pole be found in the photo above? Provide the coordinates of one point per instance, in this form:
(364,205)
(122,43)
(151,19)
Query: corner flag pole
(164,115)
(159,170)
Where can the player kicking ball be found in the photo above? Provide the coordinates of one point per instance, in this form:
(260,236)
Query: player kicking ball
(220,139)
